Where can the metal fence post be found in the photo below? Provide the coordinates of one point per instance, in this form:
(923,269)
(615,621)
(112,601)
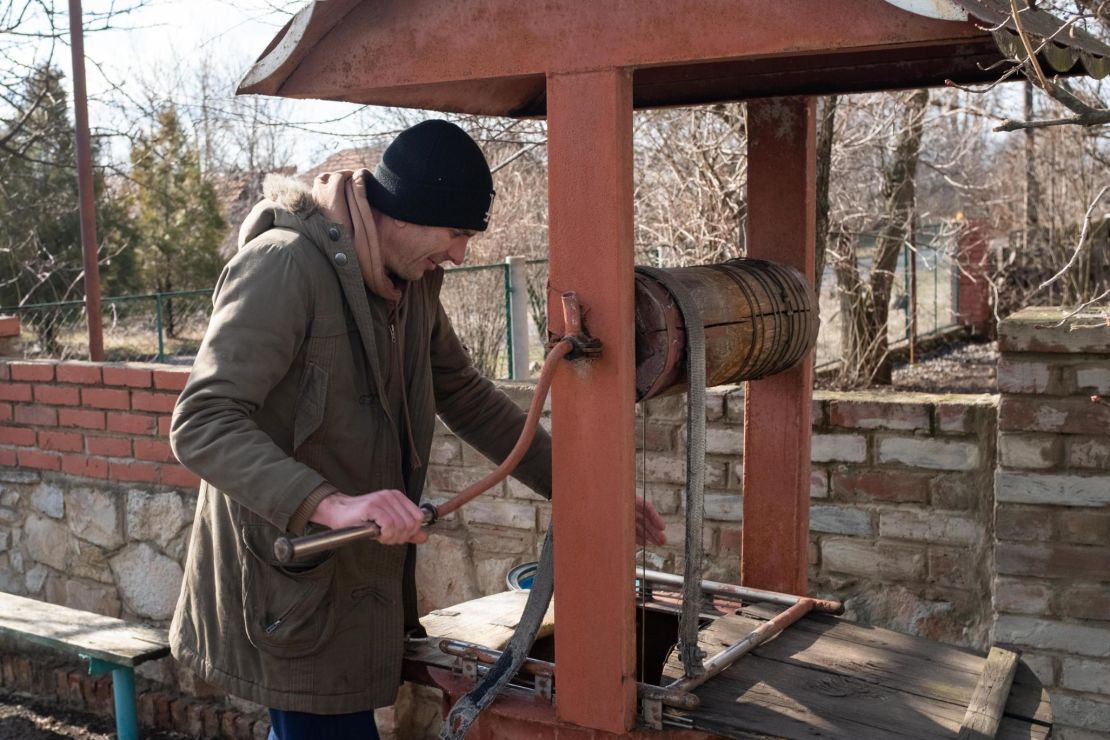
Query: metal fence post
(158,321)
(517,272)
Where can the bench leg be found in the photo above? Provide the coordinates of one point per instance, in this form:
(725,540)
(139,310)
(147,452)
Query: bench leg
(123,694)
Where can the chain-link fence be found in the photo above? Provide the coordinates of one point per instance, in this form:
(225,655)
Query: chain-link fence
(926,286)
(157,327)
(477,300)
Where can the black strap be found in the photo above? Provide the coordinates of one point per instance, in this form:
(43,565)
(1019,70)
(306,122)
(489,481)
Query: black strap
(468,707)
(688,648)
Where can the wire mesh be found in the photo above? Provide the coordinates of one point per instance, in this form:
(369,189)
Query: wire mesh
(161,327)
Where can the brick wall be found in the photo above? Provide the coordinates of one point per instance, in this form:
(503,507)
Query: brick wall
(1052,556)
(905,527)
(107,422)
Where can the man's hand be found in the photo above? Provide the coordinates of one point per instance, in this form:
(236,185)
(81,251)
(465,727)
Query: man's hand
(649,525)
(399,519)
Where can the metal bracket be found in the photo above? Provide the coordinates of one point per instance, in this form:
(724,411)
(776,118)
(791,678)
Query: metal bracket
(543,686)
(468,667)
(651,710)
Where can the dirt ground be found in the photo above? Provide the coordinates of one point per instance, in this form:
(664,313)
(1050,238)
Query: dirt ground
(966,367)
(25,718)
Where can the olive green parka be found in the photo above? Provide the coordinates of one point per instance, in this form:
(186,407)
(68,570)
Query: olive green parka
(304,379)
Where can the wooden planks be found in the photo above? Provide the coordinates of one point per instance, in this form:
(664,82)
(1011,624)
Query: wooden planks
(488,621)
(825,677)
(93,635)
(984,711)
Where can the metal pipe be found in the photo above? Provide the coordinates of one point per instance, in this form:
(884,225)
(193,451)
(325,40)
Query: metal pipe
(755,595)
(287,549)
(536,667)
(755,638)
(85,185)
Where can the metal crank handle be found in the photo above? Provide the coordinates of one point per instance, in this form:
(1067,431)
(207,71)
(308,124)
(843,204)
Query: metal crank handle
(288,549)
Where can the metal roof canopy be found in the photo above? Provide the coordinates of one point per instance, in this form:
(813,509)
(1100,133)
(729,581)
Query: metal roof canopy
(492,56)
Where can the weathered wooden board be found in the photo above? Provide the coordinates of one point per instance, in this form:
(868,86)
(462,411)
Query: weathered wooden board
(825,677)
(76,631)
(984,712)
(488,621)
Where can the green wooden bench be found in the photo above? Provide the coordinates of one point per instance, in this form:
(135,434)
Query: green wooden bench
(109,644)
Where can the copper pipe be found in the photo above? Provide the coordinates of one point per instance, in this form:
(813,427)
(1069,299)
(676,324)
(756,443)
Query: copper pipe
(535,667)
(572,315)
(558,352)
(754,639)
(287,549)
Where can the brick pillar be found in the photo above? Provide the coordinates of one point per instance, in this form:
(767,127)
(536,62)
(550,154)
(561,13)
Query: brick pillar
(9,336)
(1052,514)
(973,292)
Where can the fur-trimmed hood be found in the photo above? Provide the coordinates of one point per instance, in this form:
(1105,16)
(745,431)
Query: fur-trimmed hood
(285,200)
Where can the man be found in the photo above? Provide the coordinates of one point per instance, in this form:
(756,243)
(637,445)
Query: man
(312,403)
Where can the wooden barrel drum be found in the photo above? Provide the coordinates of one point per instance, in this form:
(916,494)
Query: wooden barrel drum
(760,318)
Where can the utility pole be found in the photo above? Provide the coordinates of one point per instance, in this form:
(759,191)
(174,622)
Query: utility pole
(85,185)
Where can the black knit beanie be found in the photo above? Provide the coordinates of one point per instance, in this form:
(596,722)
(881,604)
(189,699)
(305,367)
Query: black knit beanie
(434,174)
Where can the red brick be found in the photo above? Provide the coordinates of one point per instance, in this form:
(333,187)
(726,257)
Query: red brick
(142,472)
(32,370)
(57,395)
(8,457)
(5,371)
(61,441)
(162,718)
(170,380)
(73,695)
(1067,415)
(9,326)
(143,401)
(1050,560)
(87,467)
(42,416)
(859,486)
(227,725)
(6,413)
(178,713)
(132,377)
(153,449)
(179,477)
(84,373)
(105,398)
(40,460)
(1022,524)
(211,721)
(1085,527)
(1084,602)
(730,541)
(82,418)
(17,436)
(15,391)
(164,423)
(109,446)
(878,415)
(146,709)
(131,423)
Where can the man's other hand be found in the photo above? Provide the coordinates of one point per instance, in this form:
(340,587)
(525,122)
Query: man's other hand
(399,519)
(649,525)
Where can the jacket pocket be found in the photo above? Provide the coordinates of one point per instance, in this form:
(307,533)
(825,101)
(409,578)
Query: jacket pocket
(311,403)
(287,613)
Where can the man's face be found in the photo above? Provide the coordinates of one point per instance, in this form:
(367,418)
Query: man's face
(411,250)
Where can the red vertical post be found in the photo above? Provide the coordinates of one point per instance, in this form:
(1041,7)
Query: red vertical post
(592,403)
(777,411)
(973,296)
(85,184)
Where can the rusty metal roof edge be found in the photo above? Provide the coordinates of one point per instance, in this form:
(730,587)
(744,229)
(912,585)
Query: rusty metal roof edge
(294,42)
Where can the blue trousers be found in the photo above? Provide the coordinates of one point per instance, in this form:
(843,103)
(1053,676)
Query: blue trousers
(304,726)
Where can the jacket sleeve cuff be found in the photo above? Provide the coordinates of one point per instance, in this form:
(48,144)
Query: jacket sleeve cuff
(298,522)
